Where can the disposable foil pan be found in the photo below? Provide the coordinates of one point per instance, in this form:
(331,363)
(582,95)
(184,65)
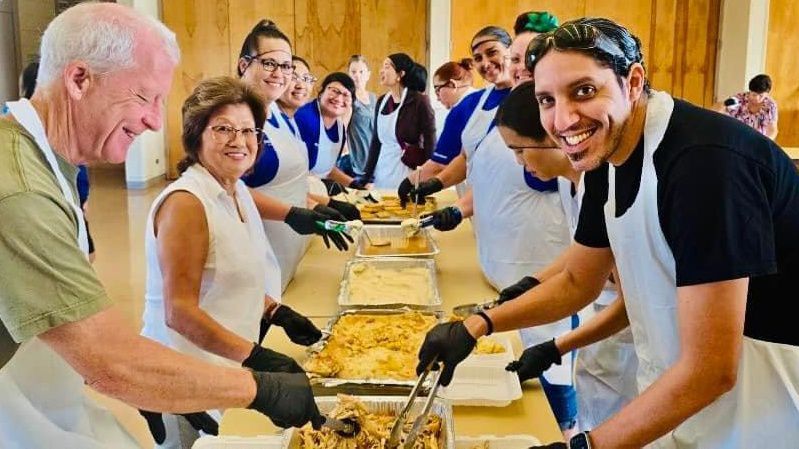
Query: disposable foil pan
(335,385)
(389,405)
(345,300)
(393,232)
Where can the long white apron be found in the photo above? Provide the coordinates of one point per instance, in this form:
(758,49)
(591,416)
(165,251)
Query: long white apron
(327,150)
(519,231)
(762,410)
(44,404)
(475,131)
(289,185)
(389,170)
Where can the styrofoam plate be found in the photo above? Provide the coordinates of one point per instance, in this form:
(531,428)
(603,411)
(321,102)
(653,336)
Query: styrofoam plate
(482,386)
(260,442)
(495,442)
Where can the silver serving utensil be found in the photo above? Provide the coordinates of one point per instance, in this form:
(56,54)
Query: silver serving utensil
(396,430)
(421,420)
(346,427)
(466,310)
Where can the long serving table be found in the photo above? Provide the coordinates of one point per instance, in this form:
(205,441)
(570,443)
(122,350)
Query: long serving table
(314,291)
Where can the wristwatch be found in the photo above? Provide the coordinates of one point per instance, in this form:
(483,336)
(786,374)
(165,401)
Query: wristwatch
(580,441)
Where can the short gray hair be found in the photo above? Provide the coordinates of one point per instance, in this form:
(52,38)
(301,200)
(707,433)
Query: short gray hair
(102,35)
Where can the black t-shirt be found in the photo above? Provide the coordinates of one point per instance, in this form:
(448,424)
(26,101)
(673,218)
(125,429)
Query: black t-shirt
(728,205)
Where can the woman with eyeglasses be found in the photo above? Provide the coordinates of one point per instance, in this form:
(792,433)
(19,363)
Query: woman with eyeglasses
(211,273)
(361,124)
(321,125)
(297,94)
(452,82)
(405,129)
(268,67)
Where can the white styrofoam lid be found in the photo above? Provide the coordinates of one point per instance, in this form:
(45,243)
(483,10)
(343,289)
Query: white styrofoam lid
(495,442)
(260,442)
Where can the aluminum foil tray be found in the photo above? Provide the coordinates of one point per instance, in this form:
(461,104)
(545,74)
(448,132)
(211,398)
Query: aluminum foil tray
(395,220)
(333,385)
(393,233)
(389,405)
(345,301)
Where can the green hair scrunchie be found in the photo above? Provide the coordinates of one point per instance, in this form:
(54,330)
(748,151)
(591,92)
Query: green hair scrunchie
(541,22)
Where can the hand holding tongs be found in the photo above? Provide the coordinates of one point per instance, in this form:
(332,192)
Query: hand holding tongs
(467,310)
(421,420)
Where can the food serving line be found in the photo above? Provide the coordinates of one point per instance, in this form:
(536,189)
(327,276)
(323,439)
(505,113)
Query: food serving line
(323,276)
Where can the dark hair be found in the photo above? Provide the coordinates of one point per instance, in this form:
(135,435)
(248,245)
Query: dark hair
(266,29)
(519,112)
(760,84)
(295,58)
(494,32)
(456,70)
(205,100)
(339,77)
(628,43)
(29,79)
(535,22)
(357,58)
(415,75)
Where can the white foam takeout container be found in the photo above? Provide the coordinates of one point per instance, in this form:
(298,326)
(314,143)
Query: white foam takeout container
(495,442)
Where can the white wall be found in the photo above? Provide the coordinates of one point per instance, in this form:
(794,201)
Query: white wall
(440,33)
(742,51)
(146,160)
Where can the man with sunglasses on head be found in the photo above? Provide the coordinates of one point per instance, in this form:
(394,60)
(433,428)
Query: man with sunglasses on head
(700,214)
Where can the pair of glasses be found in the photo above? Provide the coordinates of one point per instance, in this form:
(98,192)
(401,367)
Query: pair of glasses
(305,78)
(574,36)
(338,93)
(225,134)
(448,85)
(270,65)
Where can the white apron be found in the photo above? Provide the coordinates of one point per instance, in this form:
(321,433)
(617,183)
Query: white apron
(327,150)
(519,231)
(44,404)
(389,169)
(762,410)
(289,185)
(474,132)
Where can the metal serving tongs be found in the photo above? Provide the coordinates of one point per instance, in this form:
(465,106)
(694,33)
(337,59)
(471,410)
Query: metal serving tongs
(346,427)
(396,430)
(466,310)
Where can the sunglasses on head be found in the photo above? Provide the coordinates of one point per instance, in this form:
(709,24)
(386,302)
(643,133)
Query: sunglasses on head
(576,36)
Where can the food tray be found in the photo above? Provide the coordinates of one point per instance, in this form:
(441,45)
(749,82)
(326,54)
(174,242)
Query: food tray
(495,442)
(260,442)
(395,219)
(392,405)
(335,385)
(393,232)
(345,301)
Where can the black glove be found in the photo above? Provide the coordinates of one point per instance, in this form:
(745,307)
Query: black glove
(358,184)
(303,221)
(558,445)
(201,421)
(333,188)
(519,288)
(535,360)
(425,188)
(286,399)
(264,359)
(447,219)
(346,209)
(450,343)
(299,329)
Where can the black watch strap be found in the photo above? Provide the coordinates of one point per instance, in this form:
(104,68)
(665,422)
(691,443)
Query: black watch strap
(580,441)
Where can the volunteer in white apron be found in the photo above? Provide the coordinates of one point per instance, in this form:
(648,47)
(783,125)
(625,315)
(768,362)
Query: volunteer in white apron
(704,292)
(452,82)
(321,127)
(605,370)
(404,134)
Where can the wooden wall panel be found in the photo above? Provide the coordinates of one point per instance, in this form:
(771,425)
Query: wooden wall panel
(202,30)
(679,37)
(783,65)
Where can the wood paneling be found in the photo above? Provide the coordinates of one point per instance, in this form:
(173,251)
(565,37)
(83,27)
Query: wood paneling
(679,37)
(324,32)
(782,65)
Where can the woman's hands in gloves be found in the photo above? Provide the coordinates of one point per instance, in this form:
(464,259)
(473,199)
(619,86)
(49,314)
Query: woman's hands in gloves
(448,343)
(447,219)
(535,360)
(201,421)
(407,191)
(286,399)
(265,359)
(519,288)
(299,329)
(349,211)
(303,221)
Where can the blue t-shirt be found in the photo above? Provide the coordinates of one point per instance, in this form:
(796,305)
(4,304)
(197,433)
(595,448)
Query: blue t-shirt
(449,144)
(267,164)
(308,119)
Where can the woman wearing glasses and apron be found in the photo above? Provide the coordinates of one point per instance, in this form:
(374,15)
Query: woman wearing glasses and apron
(405,129)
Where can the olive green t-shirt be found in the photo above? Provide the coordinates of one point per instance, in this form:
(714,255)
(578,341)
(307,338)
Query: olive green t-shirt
(45,279)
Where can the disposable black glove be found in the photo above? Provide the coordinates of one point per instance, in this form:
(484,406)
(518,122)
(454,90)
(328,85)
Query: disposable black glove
(450,343)
(447,219)
(558,445)
(358,184)
(265,359)
(286,399)
(535,360)
(299,329)
(333,188)
(425,188)
(201,421)
(303,221)
(519,288)
(349,211)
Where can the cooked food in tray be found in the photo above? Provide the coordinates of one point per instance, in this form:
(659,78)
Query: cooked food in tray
(382,244)
(487,345)
(375,429)
(390,209)
(380,347)
(371,284)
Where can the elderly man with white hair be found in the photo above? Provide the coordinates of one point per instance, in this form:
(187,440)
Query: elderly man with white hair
(105,71)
